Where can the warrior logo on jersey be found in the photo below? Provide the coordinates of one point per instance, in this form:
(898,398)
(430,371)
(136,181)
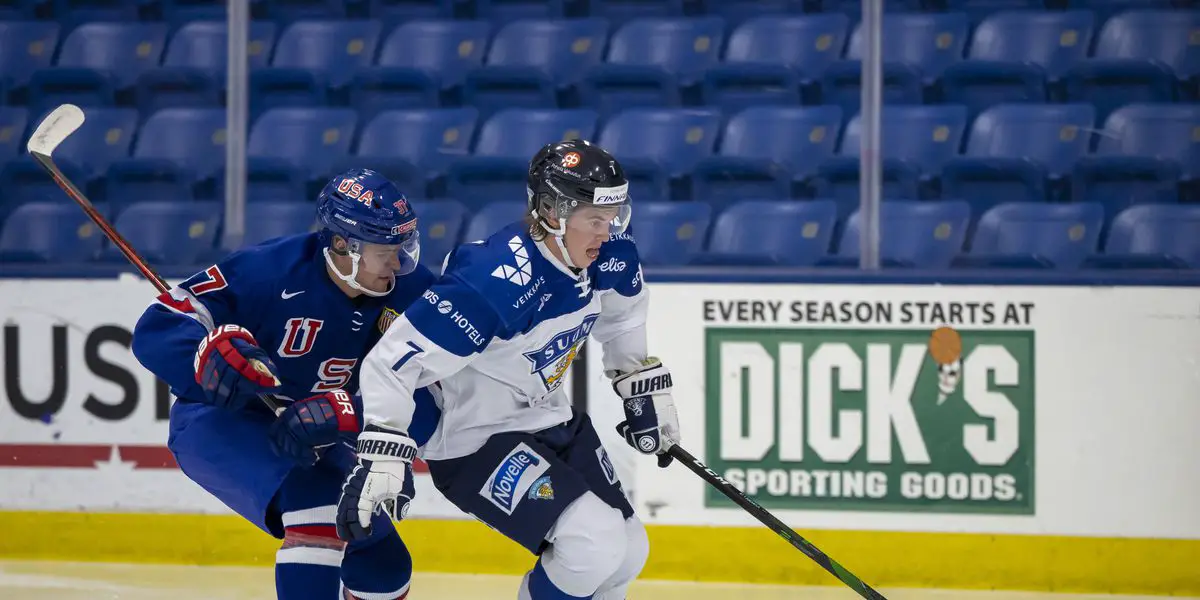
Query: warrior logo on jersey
(515,475)
(299,336)
(552,360)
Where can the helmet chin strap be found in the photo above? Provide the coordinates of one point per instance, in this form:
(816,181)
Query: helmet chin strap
(351,279)
(559,233)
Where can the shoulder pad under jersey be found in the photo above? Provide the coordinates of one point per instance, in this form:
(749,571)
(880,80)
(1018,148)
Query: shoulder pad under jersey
(506,269)
(618,266)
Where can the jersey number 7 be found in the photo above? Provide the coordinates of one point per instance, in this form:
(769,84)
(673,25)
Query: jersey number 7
(408,356)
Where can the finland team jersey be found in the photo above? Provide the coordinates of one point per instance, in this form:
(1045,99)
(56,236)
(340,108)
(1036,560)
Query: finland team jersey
(499,331)
(281,292)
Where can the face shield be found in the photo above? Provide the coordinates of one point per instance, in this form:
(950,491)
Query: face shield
(375,267)
(593,221)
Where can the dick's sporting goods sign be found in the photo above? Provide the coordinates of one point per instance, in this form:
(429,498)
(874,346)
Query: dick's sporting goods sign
(872,405)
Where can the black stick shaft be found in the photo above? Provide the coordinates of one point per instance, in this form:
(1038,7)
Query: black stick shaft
(121,243)
(766,518)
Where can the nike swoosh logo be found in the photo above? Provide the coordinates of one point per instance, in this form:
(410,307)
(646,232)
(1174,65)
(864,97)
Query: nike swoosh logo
(285,295)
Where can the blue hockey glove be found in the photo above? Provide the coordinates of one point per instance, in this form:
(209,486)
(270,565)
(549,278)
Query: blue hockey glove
(232,369)
(381,483)
(307,426)
(651,422)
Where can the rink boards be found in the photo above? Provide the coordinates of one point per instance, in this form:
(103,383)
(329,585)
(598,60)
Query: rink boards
(1046,442)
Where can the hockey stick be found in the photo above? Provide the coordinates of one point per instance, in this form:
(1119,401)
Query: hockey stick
(842,573)
(53,131)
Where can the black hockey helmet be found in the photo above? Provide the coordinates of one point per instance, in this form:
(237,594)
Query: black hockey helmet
(572,173)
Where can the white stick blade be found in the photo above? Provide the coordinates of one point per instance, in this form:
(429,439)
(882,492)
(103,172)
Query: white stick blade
(55,128)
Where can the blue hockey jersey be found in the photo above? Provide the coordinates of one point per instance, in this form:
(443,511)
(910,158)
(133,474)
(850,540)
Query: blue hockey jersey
(499,331)
(280,290)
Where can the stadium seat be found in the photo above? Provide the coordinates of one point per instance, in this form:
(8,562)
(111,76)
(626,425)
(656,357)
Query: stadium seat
(13,121)
(507,141)
(24,181)
(1143,153)
(440,223)
(25,46)
(1035,235)
(105,136)
(176,149)
(493,217)
(841,85)
(1140,56)
(657,145)
(413,147)
(769,58)
(271,220)
(763,149)
(96,61)
(193,69)
(924,235)
(767,232)
(1156,236)
(287,146)
(167,233)
(417,62)
(915,142)
(50,232)
(1018,151)
(619,12)
(930,42)
(313,59)
(670,233)
(530,61)
(650,59)
(505,11)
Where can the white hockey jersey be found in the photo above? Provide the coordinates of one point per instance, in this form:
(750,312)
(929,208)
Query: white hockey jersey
(499,330)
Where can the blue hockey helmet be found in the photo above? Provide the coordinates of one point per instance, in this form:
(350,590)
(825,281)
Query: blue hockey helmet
(377,222)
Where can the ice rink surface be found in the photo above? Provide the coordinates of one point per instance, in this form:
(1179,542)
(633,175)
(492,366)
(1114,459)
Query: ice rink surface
(99,581)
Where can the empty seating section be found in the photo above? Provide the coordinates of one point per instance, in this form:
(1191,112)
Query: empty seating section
(1030,134)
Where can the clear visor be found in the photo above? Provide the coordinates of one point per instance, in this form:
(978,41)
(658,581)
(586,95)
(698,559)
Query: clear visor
(384,260)
(599,220)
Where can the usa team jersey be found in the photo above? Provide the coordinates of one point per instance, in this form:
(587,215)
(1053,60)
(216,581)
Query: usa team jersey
(499,330)
(280,291)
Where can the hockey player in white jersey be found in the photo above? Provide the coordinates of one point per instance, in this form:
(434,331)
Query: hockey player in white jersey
(499,330)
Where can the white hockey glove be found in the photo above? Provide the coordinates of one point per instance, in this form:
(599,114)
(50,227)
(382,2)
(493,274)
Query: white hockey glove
(381,483)
(651,422)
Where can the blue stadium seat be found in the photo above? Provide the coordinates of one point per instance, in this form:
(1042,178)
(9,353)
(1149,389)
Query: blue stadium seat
(105,136)
(763,149)
(52,232)
(670,233)
(507,141)
(915,142)
(1155,236)
(841,85)
(649,59)
(930,42)
(1035,235)
(269,220)
(193,69)
(736,12)
(417,62)
(1140,56)
(767,232)
(506,11)
(413,147)
(657,145)
(312,59)
(769,58)
(492,218)
(25,46)
(167,233)
(531,61)
(288,11)
(924,235)
(1143,152)
(440,224)
(289,145)
(620,11)
(96,61)
(1052,40)
(176,149)
(12,131)
(23,181)
(398,12)
(1018,151)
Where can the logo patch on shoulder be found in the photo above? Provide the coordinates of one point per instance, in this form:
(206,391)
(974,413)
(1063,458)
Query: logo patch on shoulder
(514,477)
(542,489)
(386,318)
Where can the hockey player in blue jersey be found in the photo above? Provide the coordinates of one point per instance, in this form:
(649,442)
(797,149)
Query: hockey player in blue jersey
(292,317)
(499,330)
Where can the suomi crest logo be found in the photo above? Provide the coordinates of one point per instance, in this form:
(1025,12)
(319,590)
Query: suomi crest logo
(552,360)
